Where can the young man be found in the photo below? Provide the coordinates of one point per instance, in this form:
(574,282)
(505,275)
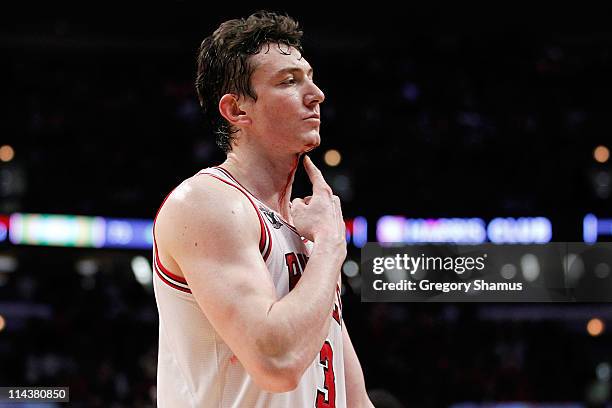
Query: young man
(248,283)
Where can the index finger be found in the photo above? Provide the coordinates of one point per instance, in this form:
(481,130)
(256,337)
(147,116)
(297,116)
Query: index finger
(314,174)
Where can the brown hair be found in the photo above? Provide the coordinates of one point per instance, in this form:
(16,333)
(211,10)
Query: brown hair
(223,63)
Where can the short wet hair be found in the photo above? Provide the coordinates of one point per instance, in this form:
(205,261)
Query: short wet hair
(223,62)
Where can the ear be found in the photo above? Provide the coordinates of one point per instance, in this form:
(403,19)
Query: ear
(230,108)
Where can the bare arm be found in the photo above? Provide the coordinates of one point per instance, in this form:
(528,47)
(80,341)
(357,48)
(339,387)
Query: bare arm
(212,232)
(356,395)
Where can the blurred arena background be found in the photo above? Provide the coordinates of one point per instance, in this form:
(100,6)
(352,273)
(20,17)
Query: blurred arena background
(438,122)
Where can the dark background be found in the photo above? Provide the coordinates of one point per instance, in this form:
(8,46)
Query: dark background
(437,111)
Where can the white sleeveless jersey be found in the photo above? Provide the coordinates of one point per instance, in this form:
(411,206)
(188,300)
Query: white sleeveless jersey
(196,369)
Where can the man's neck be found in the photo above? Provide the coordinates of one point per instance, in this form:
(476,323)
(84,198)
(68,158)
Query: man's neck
(267,177)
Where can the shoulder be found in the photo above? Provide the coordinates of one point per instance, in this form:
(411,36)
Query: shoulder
(206,192)
(203,206)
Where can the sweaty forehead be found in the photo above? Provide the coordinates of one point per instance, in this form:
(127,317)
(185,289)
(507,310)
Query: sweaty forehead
(269,61)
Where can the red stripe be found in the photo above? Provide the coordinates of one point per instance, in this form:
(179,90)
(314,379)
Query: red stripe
(167,282)
(291,227)
(167,272)
(265,233)
(265,257)
(228,174)
(161,266)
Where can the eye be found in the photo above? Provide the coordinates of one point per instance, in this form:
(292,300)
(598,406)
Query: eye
(289,81)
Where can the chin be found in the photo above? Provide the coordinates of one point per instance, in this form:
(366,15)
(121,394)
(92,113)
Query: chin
(313,139)
(308,141)
(310,146)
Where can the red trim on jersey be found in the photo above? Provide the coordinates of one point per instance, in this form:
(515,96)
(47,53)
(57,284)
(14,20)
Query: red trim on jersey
(265,257)
(167,272)
(265,232)
(228,174)
(167,282)
(291,227)
(161,266)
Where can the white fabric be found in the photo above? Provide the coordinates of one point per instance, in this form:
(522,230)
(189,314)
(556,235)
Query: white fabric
(197,369)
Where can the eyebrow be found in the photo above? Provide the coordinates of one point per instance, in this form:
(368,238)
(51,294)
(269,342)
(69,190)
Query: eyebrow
(292,69)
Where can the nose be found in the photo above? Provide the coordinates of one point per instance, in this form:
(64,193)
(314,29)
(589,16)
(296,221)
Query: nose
(314,95)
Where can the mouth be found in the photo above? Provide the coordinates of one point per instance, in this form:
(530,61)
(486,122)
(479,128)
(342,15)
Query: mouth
(314,116)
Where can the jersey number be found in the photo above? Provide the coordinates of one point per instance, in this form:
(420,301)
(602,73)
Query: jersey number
(296,263)
(326,358)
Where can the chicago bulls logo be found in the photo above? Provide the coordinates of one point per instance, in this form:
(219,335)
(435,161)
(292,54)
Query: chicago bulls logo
(271,217)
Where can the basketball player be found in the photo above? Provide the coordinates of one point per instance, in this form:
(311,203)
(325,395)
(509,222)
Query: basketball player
(247,283)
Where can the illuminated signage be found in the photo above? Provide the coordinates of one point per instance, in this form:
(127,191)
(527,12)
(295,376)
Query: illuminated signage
(356,231)
(79,231)
(414,230)
(524,230)
(56,230)
(128,233)
(4,227)
(593,227)
(101,232)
